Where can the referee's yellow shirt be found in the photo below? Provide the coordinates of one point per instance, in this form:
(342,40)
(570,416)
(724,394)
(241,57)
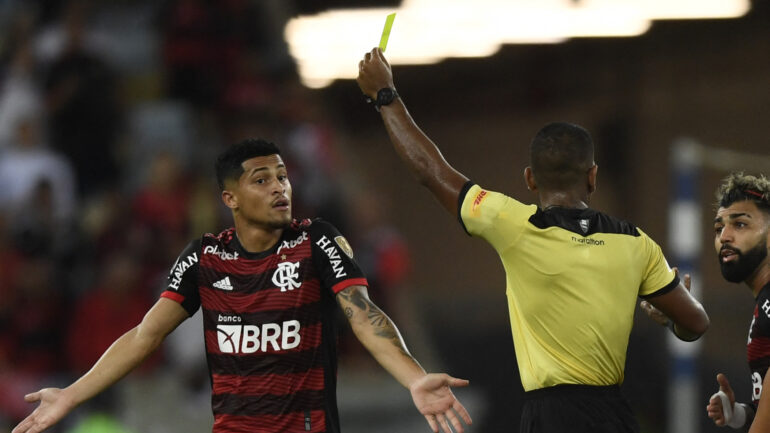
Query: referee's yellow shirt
(572,277)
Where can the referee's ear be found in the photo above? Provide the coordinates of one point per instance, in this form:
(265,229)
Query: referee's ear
(529,179)
(592,178)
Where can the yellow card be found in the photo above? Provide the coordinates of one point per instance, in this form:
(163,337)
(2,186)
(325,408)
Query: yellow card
(386,31)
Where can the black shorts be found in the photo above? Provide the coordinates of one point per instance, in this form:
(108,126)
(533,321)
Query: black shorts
(577,409)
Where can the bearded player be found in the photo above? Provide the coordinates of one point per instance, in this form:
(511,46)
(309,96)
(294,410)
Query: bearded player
(268,289)
(742,240)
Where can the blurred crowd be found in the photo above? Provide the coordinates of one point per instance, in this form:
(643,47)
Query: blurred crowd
(111,114)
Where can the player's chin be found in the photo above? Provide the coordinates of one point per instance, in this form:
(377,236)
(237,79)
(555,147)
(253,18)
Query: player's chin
(281,221)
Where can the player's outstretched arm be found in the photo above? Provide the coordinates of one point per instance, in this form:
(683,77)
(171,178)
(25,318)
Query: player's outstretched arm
(687,315)
(431,393)
(119,359)
(417,151)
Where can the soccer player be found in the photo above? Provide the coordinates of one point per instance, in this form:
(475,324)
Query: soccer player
(742,241)
(268,289)
(573,273)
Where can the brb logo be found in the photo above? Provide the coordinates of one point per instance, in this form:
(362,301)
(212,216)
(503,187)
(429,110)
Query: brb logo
(252,338)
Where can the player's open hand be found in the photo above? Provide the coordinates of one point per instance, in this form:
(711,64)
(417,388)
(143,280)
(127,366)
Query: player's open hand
(715,408)
(374,73)
(434,399)
(53,407)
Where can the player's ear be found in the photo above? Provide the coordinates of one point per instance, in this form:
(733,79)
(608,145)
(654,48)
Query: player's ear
(529,179)
(229,199)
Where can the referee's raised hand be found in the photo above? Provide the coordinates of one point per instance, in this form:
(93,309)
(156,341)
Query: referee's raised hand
(374,73)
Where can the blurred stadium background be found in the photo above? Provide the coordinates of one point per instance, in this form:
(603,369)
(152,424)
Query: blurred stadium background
(111,113)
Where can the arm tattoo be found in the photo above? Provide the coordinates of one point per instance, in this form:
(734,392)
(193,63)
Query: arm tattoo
(383,326)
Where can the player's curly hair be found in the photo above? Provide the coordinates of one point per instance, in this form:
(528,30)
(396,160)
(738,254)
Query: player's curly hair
(740,187)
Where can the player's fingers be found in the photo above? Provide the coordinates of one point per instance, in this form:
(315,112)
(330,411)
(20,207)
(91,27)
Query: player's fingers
(432,423)
(453,381)
(715,415)
(455,421)
(32,397)
(724,384)
(368,57)
(22,426)
(460,409)
(687,281)
(444,424)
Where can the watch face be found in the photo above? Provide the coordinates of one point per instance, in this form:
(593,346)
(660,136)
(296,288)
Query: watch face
(385,96)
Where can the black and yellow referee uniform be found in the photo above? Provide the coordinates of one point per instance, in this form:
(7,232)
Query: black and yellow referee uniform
(572,280)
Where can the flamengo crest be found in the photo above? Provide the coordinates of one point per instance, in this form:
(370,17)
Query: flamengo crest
(287,276)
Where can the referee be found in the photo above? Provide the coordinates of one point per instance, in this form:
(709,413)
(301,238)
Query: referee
(572,273)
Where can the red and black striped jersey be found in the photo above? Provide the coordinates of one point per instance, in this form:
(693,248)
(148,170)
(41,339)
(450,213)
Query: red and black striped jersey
(758,347)
(269,325)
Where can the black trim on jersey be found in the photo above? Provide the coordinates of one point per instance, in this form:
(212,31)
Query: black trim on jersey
(327,273)
(188,284)
(330,332)
(259,363)
(247,280)
(460,199)
(235,244)
(305,314)
(665,289)
(266,404)
(569,219)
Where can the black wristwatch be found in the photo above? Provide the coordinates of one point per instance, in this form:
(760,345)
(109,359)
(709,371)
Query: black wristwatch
(385,96)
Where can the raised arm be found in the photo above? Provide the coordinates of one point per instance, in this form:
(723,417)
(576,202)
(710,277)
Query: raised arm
(431,392)
(417,151)
(125,354)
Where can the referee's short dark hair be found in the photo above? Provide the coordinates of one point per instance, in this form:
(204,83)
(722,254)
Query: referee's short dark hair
(229,163)
(740,187)
(560,155)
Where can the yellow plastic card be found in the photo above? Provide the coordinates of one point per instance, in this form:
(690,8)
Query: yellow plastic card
(386,31)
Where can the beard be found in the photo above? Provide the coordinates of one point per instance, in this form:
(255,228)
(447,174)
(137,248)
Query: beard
(739,270)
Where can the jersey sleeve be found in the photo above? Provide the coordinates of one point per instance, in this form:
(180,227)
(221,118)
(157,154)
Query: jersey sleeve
(334,259)
(182,282)
(658,278)
(491,215)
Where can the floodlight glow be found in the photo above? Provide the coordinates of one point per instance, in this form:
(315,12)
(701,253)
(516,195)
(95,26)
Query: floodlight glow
(328,46)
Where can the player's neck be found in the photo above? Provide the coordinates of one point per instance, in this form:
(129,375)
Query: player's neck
(565,199)
(256,238)
(760,278)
